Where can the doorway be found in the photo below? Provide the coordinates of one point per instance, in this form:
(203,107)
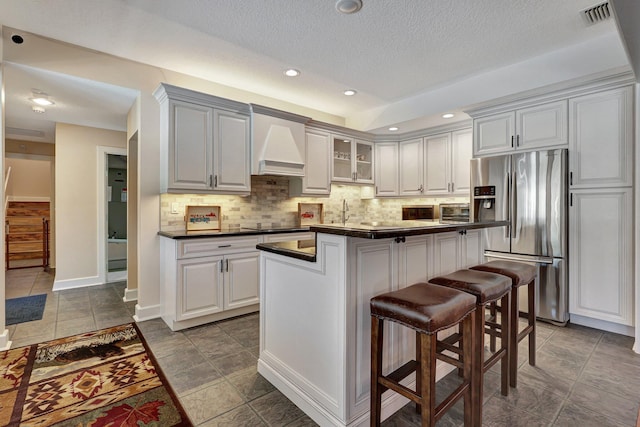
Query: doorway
(112,214)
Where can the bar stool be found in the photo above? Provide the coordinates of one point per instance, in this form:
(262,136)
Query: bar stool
(487,288)
(521,274)
(427,309)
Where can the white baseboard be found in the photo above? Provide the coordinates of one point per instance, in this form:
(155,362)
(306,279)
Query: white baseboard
(5,344)
(28,199)
(603,325)
(116,276)
(130,295)
(147,313)
(60,285)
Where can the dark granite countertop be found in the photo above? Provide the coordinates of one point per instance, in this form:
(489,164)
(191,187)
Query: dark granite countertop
(385,230)
(229,232)
(300,249)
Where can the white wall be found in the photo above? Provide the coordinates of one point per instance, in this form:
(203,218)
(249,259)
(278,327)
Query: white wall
(29,180)
(76,192)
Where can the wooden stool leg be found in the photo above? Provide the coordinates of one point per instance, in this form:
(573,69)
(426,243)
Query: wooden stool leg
(477,374)
(505,341)
(494,318)
(532,322)
(376,370)
(468,331)
(418,368)
(428,384)
(513,337)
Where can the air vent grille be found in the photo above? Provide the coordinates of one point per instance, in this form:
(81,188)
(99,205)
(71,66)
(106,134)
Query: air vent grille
(596,14)
(24,132)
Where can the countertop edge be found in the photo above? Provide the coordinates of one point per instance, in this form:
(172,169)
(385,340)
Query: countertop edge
(179,235)
(276,248)
(409,231)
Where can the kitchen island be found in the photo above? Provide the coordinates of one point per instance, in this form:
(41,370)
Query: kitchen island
(314,308)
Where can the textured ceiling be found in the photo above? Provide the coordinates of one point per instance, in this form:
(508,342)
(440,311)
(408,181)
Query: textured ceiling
(390,52)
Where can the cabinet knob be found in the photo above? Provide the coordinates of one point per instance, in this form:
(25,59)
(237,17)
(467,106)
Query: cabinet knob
(401,239)
(421,189)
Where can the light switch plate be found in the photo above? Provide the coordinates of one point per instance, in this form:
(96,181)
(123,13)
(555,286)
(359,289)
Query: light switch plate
(174,207)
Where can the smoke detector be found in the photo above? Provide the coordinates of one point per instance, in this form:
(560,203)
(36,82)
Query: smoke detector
(348,6)
(596,14)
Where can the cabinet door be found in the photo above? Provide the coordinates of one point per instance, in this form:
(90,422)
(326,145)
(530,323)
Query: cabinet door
(493,134)
(600,244)
(241,282)
(601,139)
(542,126)
(342,150)
(387,169)
(438,163)
(190,146)
(461,153)
(199,287)
(471,249)
(317,166)
(363,162)
(232,161)
(446,251)
(411,167)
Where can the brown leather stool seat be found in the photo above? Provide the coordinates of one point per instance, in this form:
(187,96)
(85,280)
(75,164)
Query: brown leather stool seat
(521,274)
(427,309)
(487,288)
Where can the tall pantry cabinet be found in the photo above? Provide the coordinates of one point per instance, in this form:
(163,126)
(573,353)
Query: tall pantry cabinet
(601,207)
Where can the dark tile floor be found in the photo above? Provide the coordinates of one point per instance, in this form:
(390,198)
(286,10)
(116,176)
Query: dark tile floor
(584,377)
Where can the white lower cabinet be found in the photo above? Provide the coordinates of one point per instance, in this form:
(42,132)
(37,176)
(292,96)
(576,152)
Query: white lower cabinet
(457,250)
(601,251)
(204,280)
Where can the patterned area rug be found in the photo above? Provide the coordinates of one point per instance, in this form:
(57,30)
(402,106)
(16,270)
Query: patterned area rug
(102,378)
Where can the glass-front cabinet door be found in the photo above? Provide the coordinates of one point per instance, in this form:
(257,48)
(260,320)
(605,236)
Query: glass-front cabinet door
(364,162)
(342,150)
(352,160)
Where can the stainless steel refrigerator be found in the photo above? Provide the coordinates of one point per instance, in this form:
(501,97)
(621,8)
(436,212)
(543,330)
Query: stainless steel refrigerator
(529,190)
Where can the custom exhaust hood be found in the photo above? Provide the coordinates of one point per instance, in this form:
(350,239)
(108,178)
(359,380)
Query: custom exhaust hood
(278,145)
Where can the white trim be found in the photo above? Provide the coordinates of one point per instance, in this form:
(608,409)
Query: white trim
(28,199)
(5,343)
(130,295)
(636,278)
(30,156)
(81,282)
(147,313)
(116,276)
(603,325)
(101,153)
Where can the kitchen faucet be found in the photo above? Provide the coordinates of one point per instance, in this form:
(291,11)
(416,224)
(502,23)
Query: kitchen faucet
(345,209)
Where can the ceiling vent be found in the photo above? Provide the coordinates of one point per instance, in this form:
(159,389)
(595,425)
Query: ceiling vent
(24,132)
(596,14)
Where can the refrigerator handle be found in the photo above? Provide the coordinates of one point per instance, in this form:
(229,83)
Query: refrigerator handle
(505,204)
(514,206)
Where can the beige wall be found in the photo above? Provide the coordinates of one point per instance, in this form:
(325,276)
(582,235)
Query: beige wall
(77,201)
(29,179)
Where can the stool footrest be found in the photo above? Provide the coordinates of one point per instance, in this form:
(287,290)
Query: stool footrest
(403,371)
(523,333)
(400,389)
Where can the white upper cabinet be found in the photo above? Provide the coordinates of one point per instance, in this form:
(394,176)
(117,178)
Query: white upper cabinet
(205,143)
(447,163)
(386,169)
(528,128)
(317,166)
(352,160)
(411,169)
(601,139)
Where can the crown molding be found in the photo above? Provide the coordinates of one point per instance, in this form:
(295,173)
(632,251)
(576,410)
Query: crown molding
(167,91)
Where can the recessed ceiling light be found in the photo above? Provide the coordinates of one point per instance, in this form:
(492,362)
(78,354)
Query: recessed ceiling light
(292,72)
(348,6)
(350,92)
(37,109)
(447,115)
(393,128)
(42,100)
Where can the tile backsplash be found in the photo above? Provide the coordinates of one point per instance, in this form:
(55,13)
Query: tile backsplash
(269,204)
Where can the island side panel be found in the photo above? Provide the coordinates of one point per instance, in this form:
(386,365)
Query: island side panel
(302,328)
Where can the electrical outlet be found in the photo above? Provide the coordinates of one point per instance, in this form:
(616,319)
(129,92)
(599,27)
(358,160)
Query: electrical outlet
(174,207)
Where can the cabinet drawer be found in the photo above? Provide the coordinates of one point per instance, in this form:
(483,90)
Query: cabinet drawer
(216,246)
(286,237)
